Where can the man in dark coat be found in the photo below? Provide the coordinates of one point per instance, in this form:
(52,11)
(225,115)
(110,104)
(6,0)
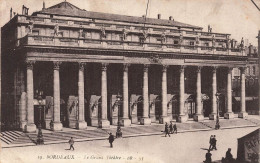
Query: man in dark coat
(166,130)
(229,156)
(175,128)
(111,139)
(210,142)
(71,142)
(214,142)
(208,157)
(171,128)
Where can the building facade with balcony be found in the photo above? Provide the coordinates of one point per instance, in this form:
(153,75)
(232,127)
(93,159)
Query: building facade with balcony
(164,70)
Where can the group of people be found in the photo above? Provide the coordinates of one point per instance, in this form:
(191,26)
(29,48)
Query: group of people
(213,142)
(170,129)
(111,139)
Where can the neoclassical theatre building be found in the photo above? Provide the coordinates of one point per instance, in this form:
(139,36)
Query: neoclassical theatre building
(96,69)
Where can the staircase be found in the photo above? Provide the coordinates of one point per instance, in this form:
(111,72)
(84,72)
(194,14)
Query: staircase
(9,136)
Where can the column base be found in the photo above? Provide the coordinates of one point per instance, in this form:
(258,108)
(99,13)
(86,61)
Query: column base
(126,122)
(182,118)
(94,122)
(134,120)
(81,125)
(23,126)
(145,121)
(48,124)
(242,115)
(198,117)
(57,126)
(229,115)
(164,119)
(114,120)
(104,124)
(30,128)
(153,118)
(212,116)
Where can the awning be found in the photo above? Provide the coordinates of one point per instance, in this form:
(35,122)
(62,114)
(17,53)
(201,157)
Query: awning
(153,98)
(135,98)
(94,100)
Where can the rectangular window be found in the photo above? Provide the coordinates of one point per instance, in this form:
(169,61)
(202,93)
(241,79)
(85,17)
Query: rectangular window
(175,42)
(253,70)
(206,44)
(191,43)
(35,32)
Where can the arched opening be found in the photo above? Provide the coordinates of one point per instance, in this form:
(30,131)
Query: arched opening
(140,108)
(158,107)
(206,103)
(190,105)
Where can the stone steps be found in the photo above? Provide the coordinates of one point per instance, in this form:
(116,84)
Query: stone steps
(9,136)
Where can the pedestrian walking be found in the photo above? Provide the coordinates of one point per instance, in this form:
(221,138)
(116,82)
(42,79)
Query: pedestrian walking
(71,142)
(175,128)
(214,142)
(111,139)
(171,128)
(210,142)
(208,157)
(166,130)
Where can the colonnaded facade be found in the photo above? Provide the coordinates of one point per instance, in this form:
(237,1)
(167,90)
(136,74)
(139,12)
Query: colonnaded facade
(96,69)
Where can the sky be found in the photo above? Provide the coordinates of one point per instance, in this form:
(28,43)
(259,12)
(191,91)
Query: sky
(240,18)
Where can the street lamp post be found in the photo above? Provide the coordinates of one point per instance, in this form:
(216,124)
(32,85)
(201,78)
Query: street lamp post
(40,139)
(118,130)
(217,126)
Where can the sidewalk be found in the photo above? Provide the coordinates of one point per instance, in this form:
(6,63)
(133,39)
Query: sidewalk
(11,139)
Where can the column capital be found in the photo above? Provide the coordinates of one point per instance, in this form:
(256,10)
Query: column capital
(81,66)
(164,68)
(182,67)
(126,66)
(242,69)
(146,68)
(104,66)
(29,64)
(56,65)
(199,69)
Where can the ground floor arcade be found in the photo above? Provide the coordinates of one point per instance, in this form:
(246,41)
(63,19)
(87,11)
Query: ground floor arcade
(78,94)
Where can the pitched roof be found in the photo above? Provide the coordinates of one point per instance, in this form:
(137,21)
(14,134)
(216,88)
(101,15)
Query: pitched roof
(68,9)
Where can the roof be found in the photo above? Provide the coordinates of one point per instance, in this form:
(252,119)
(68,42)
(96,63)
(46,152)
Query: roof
(68,9)
(254,133)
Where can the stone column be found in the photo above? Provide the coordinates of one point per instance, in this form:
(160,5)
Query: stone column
(164,118)
(22,109)
(81,123)
(57,125)
(182,117)
(30,127)
(229,114)
(213,114)
(198,116)
(145,120)
(243,112)
(104,123)
(125,119)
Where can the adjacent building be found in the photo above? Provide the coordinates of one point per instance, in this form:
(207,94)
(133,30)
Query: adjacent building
(98,69)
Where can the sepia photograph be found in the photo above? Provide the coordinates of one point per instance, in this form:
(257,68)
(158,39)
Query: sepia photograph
(129,81)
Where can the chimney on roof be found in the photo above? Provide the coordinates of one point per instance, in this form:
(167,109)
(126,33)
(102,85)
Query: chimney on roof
(143,16)
(159,16)
(170,18)
(43,5)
